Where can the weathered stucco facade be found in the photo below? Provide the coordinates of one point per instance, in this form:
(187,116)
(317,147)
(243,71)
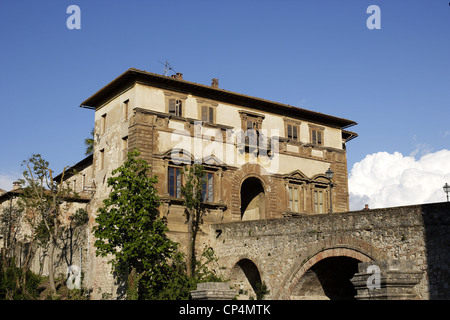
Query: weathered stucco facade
(264,159)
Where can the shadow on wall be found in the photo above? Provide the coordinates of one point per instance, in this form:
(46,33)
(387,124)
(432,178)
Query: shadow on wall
(436,221)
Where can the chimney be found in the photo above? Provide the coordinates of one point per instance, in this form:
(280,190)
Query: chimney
(215,83)
(16,185)
(178,76)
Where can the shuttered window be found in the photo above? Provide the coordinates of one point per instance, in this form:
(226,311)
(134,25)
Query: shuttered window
(175,182)
(208,114)
(294,198)
(292,132)
(317,137)
(318,201)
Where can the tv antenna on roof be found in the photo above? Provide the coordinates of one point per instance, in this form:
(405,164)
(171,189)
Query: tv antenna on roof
(167,68)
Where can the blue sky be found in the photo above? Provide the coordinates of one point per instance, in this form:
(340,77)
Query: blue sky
(319,55)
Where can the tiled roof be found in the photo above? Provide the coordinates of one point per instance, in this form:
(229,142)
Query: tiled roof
(131,76)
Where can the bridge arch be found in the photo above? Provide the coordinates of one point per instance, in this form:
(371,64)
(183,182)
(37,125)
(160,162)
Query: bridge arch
(246,277)
(325,274)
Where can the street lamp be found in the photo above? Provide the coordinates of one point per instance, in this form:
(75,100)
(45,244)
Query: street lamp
(446,189)
(329,174)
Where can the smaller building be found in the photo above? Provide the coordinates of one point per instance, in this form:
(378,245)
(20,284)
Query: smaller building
(72,249)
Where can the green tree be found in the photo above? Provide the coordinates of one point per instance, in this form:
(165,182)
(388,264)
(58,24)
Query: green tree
(129,228)
(10,223)
(194,210)
(89,143)
(43,198)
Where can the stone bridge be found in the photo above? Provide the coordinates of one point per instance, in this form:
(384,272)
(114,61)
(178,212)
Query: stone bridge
(326,256)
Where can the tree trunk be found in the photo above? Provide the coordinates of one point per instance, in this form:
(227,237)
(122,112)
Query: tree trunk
(51,275)
(190,257)
(132,285)
(25,267)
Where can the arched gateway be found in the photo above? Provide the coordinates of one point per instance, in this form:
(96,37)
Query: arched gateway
(253,199)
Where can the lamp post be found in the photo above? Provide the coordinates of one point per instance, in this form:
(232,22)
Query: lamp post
(446,189)
(329,174)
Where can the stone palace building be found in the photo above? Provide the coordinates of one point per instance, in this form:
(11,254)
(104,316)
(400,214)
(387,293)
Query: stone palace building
(276,184)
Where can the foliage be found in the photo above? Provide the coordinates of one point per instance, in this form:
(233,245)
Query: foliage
(11,278)
(192,193)
(175,284)
(10,218)
(130,227)
(261,290)
(79,218)
(43,197)
(89,143)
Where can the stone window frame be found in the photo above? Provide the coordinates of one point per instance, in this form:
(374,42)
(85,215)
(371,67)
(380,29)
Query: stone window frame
(126,109)
(178,193)
(124,148)
(294,124)
(103,123)
(102,159)
(212,107)
(211,196)
(176,96)
(317,129)
(257,120)
(299,192)
(246,116)
(302,184)
(325,205)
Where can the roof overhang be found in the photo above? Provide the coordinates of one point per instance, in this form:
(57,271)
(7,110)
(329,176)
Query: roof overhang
(132,76)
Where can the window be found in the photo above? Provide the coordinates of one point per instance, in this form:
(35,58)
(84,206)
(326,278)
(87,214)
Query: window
(125,109)
(294,198)
(292,131)
(175,103)
(124,148)
(176,107)
(208,114)
(175,182)
(318,202)
(103,123)
(208,187)
(102,159)
(317,136)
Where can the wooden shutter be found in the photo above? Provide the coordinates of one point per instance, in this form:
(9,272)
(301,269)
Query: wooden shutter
(172,106)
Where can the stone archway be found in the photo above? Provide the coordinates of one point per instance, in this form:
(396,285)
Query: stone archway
(253,199)
(268,183)
(326,275)
(245,278)
(328,279)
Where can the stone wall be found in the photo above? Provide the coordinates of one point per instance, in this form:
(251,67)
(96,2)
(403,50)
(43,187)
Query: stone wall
(283,250)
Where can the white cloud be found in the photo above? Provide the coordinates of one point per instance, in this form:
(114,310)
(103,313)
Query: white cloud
(386,180)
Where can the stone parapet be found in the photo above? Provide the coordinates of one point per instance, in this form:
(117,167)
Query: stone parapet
(213,291)
(387,280)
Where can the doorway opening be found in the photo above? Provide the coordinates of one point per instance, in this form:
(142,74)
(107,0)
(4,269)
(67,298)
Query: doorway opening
(253,199)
